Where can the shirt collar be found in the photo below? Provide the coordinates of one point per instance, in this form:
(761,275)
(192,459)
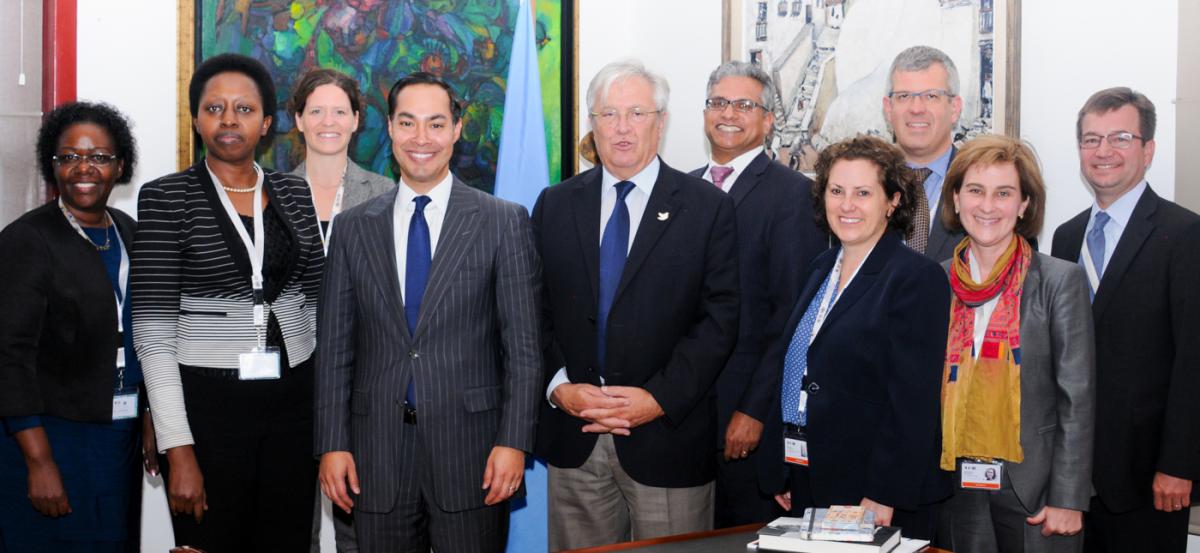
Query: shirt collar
(1121,210)
(439,196)
(940,165)
(644,180)
(738,163)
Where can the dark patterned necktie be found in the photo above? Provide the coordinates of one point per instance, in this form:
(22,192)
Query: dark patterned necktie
(918,239)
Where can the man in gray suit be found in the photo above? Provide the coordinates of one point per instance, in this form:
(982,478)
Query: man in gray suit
(428,369)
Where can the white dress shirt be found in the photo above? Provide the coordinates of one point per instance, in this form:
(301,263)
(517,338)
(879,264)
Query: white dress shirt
(635,201)
(738,164)
(435,213)
(1119,212)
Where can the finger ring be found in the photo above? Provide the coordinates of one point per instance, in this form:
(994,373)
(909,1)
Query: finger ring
(512,488)
(745,453)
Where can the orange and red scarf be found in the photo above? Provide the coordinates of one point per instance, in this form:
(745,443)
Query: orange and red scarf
(981,391)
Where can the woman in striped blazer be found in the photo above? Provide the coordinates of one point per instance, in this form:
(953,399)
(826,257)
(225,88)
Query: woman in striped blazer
(226,265)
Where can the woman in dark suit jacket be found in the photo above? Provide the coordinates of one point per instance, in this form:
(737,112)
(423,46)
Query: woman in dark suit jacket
(70,470)
(226,336)
(863,350)
(1019,380)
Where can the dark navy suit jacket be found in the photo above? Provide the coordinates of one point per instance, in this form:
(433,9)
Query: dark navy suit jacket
(874,381)
(777,240)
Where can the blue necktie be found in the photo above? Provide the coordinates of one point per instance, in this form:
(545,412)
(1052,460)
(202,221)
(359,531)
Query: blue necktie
(795,363)
(1095,244)
(416,274)
(614,246)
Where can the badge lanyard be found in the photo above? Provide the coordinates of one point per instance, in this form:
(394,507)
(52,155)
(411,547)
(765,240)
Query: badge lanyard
(333,211)
(122,273)
(828,299)
(125,403)
(255,248)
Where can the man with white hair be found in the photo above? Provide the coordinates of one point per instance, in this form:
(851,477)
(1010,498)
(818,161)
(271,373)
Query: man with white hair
(641,312)
(922,106)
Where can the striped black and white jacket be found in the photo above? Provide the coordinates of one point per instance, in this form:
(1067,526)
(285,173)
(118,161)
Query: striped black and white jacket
(190,291)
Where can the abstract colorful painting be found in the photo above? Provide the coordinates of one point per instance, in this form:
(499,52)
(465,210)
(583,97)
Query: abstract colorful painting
(466,42)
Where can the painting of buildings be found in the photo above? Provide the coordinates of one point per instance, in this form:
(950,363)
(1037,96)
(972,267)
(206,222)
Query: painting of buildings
(830,61)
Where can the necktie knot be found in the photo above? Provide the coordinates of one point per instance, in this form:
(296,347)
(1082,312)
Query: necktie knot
(1101,219)
(421,202)
(922,174)
(623,189)
(719,174)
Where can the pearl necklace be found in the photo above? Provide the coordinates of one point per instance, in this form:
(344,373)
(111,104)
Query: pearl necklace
(237,190)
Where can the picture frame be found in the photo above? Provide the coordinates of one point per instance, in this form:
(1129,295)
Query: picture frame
(376,42)
(802,43)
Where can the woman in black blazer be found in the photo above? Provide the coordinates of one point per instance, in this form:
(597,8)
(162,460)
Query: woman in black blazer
(70,466)
(226,266)
(861,360)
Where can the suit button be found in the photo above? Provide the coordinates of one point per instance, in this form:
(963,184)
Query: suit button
(591,369)
(813,389)
(413,354)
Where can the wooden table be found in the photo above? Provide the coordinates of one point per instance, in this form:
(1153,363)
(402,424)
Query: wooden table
(725,540)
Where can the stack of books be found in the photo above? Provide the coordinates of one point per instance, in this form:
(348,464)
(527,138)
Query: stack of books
(838,529)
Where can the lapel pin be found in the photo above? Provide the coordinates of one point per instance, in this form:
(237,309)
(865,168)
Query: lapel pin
(664,215)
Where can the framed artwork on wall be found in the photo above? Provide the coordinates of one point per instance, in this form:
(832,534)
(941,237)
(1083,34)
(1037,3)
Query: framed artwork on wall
(466,42)
(830,61)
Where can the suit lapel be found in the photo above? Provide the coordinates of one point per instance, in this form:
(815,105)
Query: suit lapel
(1135,234)
(585,204)
(379,249)
(815,278)
(749,178)
(458,230)
(657,217)
(868,273)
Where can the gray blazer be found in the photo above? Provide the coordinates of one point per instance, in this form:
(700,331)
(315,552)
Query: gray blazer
(361,184)
(474,355)
(1058,393)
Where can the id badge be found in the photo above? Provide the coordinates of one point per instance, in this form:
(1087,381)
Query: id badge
(125,405)
(795,448)
(259,364)
(981,475)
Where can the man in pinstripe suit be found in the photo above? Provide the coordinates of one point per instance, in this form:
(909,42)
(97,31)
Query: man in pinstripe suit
(428,369)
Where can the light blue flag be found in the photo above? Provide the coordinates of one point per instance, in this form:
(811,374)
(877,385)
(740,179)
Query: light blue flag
(521,174)
(522,170)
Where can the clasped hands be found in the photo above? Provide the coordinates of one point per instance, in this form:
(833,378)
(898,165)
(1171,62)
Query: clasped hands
(607,409)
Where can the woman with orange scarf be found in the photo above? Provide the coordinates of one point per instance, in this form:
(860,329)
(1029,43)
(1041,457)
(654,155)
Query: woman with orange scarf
(1018,397)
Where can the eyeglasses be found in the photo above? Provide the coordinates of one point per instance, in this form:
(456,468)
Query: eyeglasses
(1120,140)
(931,95)
(745,106)
(72,160)
(635,116)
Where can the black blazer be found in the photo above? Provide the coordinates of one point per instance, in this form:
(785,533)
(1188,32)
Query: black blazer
(874,381)
(777,239)
(672,326)
(1147,315)
(58,334)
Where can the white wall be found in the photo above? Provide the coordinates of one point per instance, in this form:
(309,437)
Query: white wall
(1073,48)
(679,39)
(127,58)
(126,55)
